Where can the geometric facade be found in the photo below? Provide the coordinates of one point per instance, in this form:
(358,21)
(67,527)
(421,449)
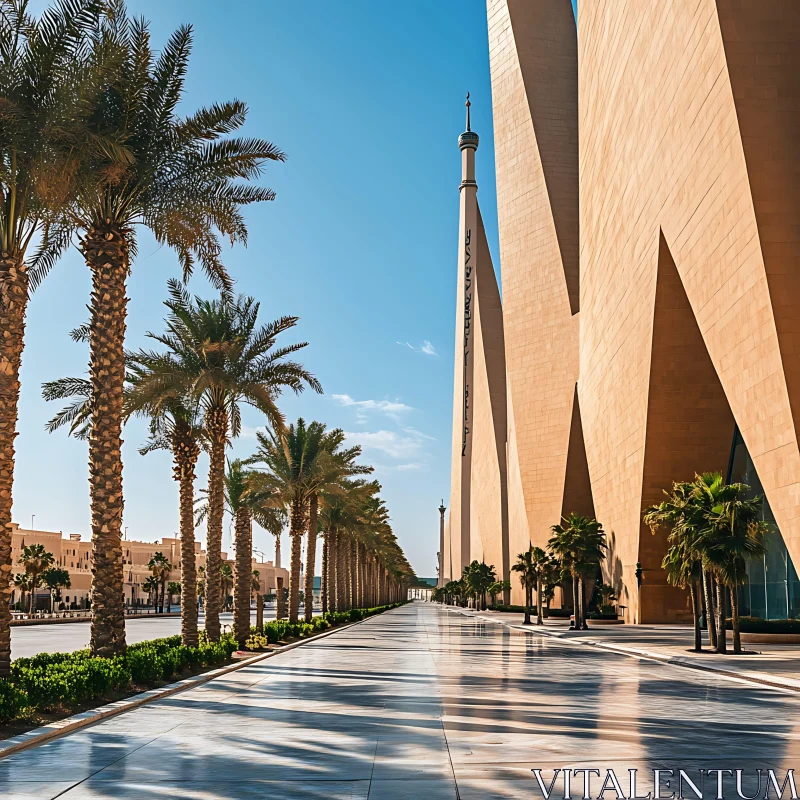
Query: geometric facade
(648,178)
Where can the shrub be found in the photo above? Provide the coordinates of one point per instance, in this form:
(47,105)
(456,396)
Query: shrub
(256,641)
(14,702)
(758,625)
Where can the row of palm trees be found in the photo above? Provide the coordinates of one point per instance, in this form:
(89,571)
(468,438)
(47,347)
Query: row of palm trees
(714,529)
(91,149)
(575,550)
(214,358)
(39,569)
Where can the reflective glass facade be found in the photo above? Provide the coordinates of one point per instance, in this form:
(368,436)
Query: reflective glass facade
(773,588)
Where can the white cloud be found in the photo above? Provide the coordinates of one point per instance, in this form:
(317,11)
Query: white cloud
(408,467)
(395,445)
(391,408)
(248,432)
(427,348)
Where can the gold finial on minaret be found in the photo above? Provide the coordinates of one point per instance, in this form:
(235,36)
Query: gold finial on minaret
(468,105)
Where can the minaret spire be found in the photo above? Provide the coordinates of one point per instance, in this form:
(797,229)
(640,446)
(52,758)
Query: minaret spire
(468,105)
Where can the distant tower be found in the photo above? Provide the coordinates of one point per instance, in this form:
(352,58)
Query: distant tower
(463,393)
(442,509)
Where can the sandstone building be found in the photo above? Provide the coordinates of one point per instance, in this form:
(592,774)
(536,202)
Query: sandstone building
(648,180)
(75,555)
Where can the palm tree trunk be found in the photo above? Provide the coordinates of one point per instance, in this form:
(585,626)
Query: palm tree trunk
(331,541)
(105,248)
(280,611)
(737,638)
(711,621)
(351,574)
(13,303)
(527,619)
(539,611)
(311,558)
(582,601)
(217,427)
(722,635)
(278,550)
(323,587)
(186,451)
(341,604)
(698,634)
(296,527)
(576,609)
(242,587)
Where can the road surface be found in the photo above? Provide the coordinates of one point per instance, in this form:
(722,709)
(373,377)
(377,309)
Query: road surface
(64,637)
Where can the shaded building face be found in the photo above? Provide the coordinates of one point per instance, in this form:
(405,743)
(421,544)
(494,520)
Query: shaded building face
(649,211)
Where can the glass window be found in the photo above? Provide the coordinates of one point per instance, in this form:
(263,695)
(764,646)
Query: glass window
(772,590)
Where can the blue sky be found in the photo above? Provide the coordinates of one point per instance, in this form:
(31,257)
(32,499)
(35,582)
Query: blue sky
(366,98)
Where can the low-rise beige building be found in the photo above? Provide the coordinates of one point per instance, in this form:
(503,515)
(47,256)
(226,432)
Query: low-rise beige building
(75,555)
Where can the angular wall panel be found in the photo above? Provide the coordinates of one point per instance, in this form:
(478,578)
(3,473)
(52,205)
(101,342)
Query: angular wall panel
(533,58)
(687,109)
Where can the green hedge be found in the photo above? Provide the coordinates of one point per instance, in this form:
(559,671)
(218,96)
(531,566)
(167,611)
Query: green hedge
(56,682)
(279,630)
(61,682)
(757,625)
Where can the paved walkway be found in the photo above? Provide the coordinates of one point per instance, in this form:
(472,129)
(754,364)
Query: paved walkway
(773,663)
(419,702)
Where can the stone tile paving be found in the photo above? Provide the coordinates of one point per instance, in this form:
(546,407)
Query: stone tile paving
(780,662)
(420,702)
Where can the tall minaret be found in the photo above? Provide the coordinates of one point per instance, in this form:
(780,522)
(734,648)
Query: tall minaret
(464,357)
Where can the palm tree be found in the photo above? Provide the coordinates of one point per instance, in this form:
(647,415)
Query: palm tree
(289,460)
(526,567)
(226,577)
(332,466)
(44,85)
(682,561)
(177,177)
(161,568)
(343,510)
(245,504)
(580,544)
(56,578)
(735,534)
(217,358)
(36,559)
(543,564)
(173,588)
(152,586)
(480,576)
(22,581)
(175,426)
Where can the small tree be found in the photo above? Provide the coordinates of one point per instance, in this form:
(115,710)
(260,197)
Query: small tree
(526,568)
(161,569)
(498,587)
(479,576)
(226,573)
(151,586)
(22,581)
(36,559)
(680,512)
(580,545)
(56,578)
(173,588)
